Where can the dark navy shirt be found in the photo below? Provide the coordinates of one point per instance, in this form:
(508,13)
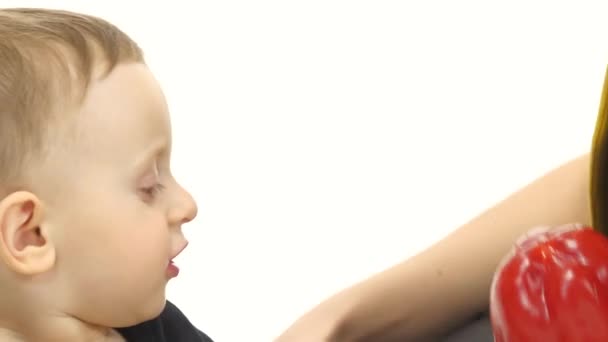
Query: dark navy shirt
(171,326)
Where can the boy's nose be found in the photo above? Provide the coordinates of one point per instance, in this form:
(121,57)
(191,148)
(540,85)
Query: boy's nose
(184,209)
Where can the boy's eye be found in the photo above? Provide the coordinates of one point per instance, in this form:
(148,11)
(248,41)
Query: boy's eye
(152,191)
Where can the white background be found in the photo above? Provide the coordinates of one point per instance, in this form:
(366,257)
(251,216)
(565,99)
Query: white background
(327,140)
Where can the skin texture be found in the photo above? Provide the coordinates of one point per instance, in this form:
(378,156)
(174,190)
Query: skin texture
(95,254)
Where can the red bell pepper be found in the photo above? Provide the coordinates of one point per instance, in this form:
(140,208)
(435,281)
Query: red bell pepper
(554,288)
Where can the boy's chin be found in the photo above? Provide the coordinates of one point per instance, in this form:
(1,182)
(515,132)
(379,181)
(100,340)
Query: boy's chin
(149,310)
(153,309)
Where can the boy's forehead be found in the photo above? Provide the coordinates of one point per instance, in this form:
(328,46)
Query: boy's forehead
(126,109)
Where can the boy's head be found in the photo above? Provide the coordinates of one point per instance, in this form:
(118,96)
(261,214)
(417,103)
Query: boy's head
(90,215)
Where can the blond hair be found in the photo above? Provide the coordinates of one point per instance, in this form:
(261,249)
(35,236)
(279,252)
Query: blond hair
(47,61)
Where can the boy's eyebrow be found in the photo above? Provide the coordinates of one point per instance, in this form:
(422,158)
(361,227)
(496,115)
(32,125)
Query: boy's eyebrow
(151,151)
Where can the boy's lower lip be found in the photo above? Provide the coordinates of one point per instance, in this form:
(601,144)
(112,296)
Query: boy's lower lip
(172,270)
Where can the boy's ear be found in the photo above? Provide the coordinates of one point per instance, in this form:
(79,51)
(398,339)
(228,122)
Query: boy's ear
(25,246)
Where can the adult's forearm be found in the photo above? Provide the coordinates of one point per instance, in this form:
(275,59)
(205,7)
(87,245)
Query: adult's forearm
(449,282)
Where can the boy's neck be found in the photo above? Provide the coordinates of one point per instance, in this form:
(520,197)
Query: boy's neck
(28,318)
(58,329)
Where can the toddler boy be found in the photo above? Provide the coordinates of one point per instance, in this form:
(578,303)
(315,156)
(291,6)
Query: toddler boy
(90,215)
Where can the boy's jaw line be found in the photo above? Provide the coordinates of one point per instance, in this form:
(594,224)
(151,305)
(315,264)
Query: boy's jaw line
(77,327)
(64,328)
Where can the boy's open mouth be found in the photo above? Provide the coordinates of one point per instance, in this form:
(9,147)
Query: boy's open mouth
(172,269)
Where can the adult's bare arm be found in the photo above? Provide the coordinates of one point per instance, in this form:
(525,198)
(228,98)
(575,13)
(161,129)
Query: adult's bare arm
(449,282)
